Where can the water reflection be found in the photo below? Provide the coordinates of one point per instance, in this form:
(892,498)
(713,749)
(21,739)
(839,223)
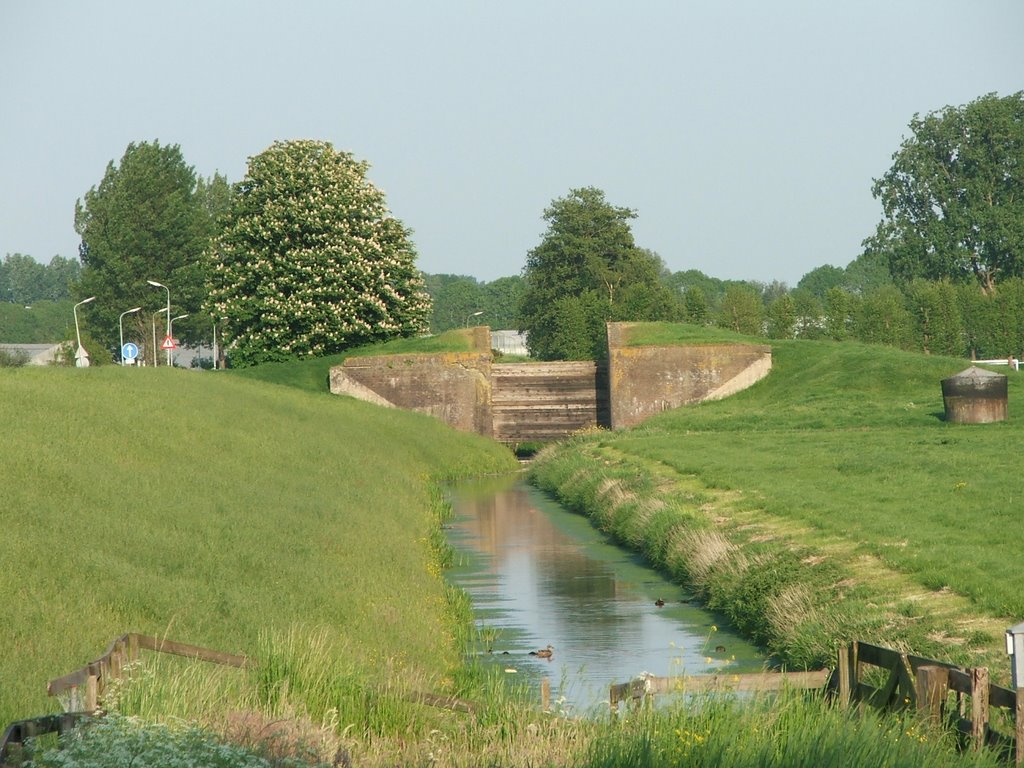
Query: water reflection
(540,575)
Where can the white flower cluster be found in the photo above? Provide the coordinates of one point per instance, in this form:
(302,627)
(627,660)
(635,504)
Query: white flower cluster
(310,261)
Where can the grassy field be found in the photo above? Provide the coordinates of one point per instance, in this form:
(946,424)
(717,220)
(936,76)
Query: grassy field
(225,513)
(829,502)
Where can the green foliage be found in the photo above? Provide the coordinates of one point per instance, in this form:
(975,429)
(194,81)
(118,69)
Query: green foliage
(695,306)
(839,311)
(809,312)
(586,271)
(459,301)
(820,279)
(144,221)
(741,310)
(939,326)
(13,358)
(501,300)
(954,197)
(882,318)
(310,261)
(116,741)
(782,317)
(41,323)
(25,281)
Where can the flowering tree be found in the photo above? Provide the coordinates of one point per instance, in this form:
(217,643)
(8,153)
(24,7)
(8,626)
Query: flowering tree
(309,260)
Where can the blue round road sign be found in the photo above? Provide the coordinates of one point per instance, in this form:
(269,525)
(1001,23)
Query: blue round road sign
(129,351)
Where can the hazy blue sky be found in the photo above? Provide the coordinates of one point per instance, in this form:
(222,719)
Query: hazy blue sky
(745,134)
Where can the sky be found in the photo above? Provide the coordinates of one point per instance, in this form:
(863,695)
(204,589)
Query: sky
(744,134)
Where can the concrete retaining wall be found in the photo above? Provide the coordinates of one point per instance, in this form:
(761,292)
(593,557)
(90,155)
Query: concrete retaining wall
(537,402)
(644,381)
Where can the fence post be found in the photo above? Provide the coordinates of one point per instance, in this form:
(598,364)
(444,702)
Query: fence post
(91,693)
(1018,719)
(133,647)
(847,667)
(545,694)
(979,707)
(932,684)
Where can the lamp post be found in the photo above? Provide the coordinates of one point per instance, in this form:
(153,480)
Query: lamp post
(155,347)
(161,285)
(120,328)
(170,335)
(81,356)
(474,314)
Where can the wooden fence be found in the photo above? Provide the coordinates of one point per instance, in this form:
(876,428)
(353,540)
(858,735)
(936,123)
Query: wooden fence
(12,742)
(942,692)
(639,689)
(869,675)
(85,686)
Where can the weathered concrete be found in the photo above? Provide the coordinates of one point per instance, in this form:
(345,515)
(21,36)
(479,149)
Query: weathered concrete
(527,402)
(644,381)
(454,387)
(545,401)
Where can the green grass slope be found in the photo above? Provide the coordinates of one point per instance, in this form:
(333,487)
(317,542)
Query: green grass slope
(221,512)
(830,501)
(313,374)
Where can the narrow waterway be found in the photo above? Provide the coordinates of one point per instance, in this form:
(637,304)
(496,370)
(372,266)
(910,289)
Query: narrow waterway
(539,575)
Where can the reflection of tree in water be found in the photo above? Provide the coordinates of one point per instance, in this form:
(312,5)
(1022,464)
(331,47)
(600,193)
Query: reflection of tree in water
(580,591)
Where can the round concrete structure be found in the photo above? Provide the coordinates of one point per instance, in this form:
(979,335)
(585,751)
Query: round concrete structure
(975,396)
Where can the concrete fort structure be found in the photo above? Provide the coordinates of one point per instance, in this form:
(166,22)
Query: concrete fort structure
(539,402)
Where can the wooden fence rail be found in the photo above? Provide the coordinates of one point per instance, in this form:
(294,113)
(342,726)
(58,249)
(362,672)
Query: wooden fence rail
(909,681)
(637,690)
(85,686)
(13,740)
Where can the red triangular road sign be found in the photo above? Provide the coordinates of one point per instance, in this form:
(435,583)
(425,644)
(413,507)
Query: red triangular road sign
(168,343)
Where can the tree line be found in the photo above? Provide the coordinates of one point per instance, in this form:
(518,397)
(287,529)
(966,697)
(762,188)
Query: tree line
(302,257)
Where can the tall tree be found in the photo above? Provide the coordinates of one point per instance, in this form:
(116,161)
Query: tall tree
(502,298)
(143,222)
(22,279)
(310,261)
(954,197)
(820,279)
(455,300)
(588,254)
(742,310)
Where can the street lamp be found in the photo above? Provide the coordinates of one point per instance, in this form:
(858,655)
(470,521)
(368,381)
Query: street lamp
(120,328)
(170,335)
(155,347)
(161,285)
(474,314)
(81,356)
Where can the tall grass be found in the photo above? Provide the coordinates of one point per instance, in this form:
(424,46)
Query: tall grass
(791,730)
(221,512)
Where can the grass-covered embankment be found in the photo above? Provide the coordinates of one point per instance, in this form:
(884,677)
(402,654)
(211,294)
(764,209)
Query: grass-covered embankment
(829,502)
(302,530)
(299,529)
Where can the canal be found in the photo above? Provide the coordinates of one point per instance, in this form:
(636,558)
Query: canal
(539,575)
